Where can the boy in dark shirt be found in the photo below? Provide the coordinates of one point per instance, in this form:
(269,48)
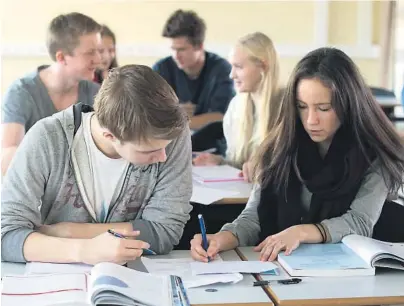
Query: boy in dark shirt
(199,78)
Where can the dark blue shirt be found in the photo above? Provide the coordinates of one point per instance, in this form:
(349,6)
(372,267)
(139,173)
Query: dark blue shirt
(211,91)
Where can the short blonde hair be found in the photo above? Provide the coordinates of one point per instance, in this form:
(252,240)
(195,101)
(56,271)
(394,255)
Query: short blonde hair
(136,104)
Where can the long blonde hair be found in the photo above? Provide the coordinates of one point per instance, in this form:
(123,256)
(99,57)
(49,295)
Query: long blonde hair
(252,130)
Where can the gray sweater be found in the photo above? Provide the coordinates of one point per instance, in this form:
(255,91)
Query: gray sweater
(40,187)
(359,219)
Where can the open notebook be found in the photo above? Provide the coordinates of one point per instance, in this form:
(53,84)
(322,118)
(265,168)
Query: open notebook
(109,284)
(354,256)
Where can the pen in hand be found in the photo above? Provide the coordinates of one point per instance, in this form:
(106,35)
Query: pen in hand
(145,251)
(116,234)
(203,233)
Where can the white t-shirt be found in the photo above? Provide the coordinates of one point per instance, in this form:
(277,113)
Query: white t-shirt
(108,174)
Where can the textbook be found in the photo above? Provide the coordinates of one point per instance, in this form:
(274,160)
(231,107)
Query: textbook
(108,284)
(216,174)
(354,256)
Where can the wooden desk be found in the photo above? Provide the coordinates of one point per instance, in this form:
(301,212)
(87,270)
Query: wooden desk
(241,294)
(387,287)
(232,201)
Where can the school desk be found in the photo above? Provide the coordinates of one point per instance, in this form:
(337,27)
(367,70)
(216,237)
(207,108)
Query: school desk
(385,288)
(242,293)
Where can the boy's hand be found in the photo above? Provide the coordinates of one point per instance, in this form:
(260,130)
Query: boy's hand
(108,248)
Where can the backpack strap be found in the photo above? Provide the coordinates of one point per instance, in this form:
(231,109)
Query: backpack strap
(78,109)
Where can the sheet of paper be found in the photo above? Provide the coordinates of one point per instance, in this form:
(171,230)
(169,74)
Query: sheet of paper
(55,268)
(40,290)
(182,267)
(209,193)
(206,196)
(201,268)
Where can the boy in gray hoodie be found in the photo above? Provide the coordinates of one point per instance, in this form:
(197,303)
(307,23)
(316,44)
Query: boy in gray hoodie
(125,166)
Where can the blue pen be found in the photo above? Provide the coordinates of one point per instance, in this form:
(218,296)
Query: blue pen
(145,251)
(203,233)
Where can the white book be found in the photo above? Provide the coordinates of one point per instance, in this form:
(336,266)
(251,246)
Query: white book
(354,256)
(108,284)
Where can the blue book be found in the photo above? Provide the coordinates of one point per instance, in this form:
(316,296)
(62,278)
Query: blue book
(325,260)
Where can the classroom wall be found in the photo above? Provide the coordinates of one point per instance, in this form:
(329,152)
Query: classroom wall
(295,27)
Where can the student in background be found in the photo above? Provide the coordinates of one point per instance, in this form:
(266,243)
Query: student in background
(326,168)
(72,44)
(255,71)
(79,173)
(107,50)
(199,78)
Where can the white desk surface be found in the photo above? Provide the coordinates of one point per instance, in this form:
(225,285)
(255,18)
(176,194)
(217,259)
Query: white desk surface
(240,294)
(387,287)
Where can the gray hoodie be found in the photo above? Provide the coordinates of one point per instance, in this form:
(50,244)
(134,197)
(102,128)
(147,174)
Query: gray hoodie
(41,187)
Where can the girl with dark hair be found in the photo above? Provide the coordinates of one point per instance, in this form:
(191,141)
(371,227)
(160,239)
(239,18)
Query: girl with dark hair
(108,54)
(325,171)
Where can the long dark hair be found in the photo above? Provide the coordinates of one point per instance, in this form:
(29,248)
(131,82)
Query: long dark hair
(356,109)
(106,31)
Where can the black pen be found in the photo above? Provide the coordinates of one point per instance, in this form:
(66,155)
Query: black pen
(281,281)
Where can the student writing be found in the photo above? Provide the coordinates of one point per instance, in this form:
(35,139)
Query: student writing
(326,169)
(125,166)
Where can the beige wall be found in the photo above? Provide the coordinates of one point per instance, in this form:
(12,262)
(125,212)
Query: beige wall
(291,24)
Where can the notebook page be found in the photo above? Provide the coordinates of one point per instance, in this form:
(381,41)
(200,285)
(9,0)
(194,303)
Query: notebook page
(369,248)
(55,268)
(35,290)
(365,248)
(143,287)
